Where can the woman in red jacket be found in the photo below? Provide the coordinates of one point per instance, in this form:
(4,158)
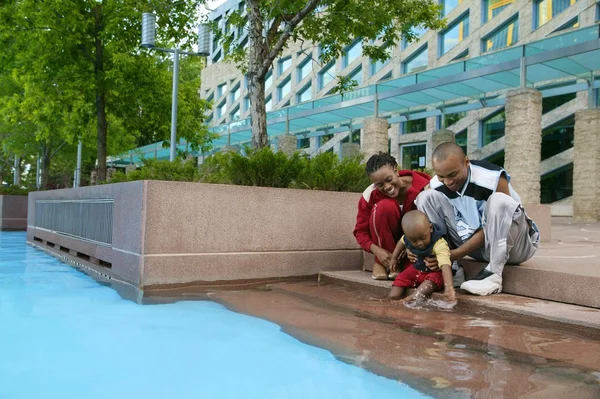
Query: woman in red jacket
(381,207)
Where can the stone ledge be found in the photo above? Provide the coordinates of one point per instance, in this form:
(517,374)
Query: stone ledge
(569,315)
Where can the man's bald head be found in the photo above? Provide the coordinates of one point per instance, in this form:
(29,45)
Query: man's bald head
(448,150)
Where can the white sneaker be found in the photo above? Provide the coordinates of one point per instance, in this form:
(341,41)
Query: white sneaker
(487,286)
(458,275)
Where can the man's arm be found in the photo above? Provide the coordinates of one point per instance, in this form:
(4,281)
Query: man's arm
(477,240)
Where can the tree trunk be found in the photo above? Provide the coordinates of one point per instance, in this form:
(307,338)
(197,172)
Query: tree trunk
(45,168)
(100,96)
(257,53)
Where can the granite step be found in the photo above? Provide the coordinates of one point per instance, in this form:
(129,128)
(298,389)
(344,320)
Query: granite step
(502,304)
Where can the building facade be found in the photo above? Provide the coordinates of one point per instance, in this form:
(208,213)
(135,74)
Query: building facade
(474,28)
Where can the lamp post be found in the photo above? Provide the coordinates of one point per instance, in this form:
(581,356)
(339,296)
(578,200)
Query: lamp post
(149,41)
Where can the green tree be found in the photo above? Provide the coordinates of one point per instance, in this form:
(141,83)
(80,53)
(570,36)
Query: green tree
(82,74)
(334,24)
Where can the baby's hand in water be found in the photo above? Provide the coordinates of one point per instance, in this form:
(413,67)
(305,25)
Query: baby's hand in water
(450,295)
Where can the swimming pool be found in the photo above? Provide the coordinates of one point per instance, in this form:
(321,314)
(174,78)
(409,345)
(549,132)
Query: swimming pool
(63,335)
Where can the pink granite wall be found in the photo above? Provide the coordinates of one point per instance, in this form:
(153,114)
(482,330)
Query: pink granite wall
(206,232)
(172,233)
(13,212)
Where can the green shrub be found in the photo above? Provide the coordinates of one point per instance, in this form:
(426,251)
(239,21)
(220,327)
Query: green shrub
(153,169)
(14,190)
(260,167)
(326,172)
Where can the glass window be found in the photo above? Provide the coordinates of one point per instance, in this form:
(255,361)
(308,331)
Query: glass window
(284,89)
(352,52)
(246,103)
(284,64)
(412,156)
(377,65)
(235,114)
(455,34)
(449,5)
(326,75)
(303,142)
(304,69)
(574,23)
(464,54)
(497,158)
(505,36)
(461,140)
(356,75)
(414,126)
(451,119)
(235,93)
(221,89)
(386,77)
(305,94)
(545,10)
(221,109)
(558,137)
(416,62)
(492,128)
(268,79)
(550,103)
(419,31)
(557,184)
(491,8)
(268,104)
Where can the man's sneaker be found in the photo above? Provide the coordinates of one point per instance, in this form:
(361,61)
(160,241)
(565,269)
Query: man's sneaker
(458,275)
(487,286)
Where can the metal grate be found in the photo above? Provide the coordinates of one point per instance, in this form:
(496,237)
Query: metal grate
(90,220)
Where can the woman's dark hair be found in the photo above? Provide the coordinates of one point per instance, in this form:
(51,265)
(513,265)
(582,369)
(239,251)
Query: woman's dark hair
(378,160)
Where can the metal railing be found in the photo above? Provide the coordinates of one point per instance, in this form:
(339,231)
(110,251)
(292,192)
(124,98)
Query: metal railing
(89,220)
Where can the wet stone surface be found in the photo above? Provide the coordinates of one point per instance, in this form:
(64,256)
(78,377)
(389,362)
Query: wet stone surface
(443,353)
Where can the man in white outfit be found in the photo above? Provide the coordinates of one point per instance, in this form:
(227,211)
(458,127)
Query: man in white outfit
(482,215)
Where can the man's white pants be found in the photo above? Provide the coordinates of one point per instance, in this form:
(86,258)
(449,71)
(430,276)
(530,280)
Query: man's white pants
(509,236)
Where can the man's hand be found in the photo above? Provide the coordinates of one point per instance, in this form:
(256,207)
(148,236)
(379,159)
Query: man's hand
(431,261)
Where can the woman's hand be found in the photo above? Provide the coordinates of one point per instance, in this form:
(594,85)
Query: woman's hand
(384,256)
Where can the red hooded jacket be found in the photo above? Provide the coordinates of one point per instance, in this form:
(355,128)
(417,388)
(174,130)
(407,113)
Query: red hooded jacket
(371,196)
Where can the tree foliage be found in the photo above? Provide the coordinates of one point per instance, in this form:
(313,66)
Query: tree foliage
(74,70)
(333,24)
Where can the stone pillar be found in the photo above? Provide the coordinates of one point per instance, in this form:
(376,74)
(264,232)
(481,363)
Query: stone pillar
(523,142)
(375,137)
(350,150)
(586,164)
(288,144)
(438,137)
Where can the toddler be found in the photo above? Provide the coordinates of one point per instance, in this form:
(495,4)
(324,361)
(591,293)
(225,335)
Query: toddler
(423,239)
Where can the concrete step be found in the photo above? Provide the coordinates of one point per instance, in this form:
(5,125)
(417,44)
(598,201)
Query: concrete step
(515,306)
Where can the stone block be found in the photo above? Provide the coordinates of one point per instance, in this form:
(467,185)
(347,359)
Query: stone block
(350,150)
(288,144)
(523,142)
(586,164)
(13,212)
(375,137)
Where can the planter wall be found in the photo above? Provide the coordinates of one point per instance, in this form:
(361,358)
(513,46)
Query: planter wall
(13,212)
(154,233)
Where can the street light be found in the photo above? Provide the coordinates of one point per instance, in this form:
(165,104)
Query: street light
(149,41)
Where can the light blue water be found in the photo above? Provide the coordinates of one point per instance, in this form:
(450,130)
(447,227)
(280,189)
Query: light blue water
(62,335)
